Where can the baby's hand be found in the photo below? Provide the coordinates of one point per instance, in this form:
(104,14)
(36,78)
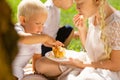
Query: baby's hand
(57,43)
(53,43)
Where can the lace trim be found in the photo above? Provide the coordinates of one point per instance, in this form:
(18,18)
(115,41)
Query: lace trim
(113,34)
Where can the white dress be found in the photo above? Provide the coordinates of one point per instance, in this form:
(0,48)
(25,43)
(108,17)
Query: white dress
(95,49)
(24,55)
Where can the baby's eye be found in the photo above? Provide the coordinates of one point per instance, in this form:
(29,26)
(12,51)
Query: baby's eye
(42,24)
(39,24)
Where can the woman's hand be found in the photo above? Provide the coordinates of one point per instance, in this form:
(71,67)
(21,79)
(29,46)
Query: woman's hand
(79,21)
(73,63)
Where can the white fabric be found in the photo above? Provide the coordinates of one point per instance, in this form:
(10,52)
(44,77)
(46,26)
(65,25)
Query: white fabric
(52,24)
(95,49)
(112,31)
(25,54)
(75,55)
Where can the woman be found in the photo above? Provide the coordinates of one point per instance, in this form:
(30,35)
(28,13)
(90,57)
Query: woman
(101,42)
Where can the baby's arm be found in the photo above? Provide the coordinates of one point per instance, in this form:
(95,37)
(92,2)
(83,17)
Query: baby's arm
(34,38)
(40,38)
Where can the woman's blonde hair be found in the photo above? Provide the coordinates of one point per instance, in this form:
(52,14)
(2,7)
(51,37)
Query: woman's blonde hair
(29,7)
(107,47)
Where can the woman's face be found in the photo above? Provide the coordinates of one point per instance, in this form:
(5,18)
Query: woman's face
(87,8)
(64,4)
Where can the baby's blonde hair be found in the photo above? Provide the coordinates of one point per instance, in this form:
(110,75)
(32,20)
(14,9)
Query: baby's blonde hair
(29,7)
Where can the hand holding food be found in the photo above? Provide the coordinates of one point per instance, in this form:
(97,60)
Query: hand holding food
(79,21)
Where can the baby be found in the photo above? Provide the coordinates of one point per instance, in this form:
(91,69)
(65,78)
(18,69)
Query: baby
(31,16)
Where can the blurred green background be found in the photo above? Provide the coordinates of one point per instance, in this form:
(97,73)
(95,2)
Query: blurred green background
(66,18)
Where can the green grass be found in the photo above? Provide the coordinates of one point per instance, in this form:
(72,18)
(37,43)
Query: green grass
(66,18)
(115,3)
(13,4)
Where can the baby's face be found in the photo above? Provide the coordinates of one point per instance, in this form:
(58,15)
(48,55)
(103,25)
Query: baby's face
(64,4)
(35,23)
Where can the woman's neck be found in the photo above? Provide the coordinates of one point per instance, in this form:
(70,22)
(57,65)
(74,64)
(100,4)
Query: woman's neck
(108,10)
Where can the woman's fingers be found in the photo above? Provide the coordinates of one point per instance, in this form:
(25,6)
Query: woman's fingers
(79,23)
(65,63)
(78,17)
(68,62)
(78,20)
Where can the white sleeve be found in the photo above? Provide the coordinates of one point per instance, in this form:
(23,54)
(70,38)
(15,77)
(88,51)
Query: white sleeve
(49,3)
(38,49)
(114,35)
(19,28)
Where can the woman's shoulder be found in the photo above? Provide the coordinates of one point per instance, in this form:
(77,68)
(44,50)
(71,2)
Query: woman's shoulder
(114,17)
(113,21)
(117,13)
(113,30)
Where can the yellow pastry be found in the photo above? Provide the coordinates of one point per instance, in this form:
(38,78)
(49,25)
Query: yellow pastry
(59,52)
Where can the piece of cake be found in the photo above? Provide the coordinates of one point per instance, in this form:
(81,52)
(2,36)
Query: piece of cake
(59,52)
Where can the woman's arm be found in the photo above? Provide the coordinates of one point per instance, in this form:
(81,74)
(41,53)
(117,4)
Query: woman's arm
(83,35)
(80,23)
(112,64)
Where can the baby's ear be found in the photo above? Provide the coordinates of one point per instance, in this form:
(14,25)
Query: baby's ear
(22,19)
